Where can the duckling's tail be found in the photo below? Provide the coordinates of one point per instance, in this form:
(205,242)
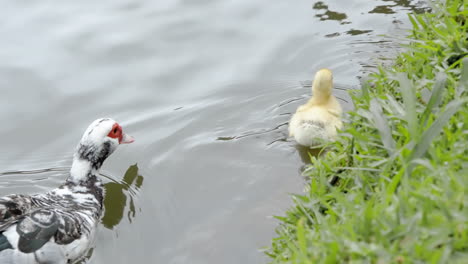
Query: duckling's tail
(312,133)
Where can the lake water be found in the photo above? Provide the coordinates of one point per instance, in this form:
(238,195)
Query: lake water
(206,88)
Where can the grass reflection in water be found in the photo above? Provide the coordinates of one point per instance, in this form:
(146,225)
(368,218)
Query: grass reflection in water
(116,196)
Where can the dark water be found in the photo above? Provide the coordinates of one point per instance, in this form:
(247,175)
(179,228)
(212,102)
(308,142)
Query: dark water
(205,87)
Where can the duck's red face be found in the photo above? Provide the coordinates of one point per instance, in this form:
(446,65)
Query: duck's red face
(116,132)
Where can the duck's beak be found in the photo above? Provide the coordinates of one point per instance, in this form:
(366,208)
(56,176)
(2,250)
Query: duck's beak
(127,139)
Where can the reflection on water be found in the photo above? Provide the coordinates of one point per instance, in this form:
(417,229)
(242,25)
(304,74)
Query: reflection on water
(328,14)
(383,9)
(354,32)
(117,193)
(393,7)
(306,153)
(397,4)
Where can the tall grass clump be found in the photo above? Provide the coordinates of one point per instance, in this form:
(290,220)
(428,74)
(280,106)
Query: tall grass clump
(394,187)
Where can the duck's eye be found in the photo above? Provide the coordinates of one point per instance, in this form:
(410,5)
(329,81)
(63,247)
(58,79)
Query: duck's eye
(115,132)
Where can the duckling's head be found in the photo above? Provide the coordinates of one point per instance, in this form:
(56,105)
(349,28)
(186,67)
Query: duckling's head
(323,84)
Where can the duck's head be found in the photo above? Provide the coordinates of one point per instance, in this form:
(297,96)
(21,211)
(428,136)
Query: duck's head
(99,141)
(323,84)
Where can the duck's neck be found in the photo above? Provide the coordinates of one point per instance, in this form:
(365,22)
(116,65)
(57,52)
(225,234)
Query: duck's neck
(82,171)
(321,93)
(319,99)
(87,161)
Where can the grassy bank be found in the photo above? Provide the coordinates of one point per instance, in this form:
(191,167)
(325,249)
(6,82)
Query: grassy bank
(394,188)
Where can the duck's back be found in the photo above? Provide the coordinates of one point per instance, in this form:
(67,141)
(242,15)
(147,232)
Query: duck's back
(56,227)
(310,124)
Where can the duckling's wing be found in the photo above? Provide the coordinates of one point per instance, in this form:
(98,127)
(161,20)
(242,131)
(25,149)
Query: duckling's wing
(334,112)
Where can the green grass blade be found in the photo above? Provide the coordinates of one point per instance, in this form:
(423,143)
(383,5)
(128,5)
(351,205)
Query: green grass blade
(413,22)
(436,97)
(365,88)
(409,101)
(301,239)
(463,84)
(391,188)
(426,139)
(382,126)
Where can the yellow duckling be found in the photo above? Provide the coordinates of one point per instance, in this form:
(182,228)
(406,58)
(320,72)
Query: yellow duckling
(320,117)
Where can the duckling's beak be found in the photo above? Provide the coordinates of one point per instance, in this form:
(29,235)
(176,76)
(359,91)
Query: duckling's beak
(127,139)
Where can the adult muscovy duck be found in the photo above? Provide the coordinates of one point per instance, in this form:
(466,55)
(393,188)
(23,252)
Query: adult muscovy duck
(58,227)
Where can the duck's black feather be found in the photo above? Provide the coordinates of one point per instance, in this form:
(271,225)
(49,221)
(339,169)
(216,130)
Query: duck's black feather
(13,206)
(36,229)
(4,244)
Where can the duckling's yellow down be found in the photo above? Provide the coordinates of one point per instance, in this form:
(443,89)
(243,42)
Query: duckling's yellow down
(320,117)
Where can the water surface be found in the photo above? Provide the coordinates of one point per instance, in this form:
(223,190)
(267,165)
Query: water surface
(205,87)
